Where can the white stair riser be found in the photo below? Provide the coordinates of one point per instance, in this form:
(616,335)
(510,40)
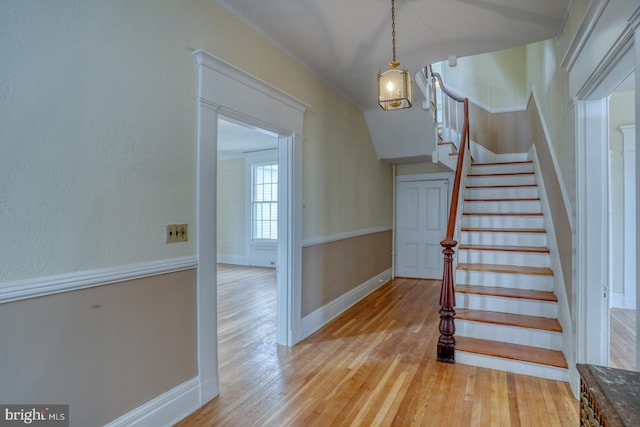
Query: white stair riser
(500,192)
(510,334)
(508,280)
(502,221)
(489,238)
(515,366)
(503,206)
(502,168)
(507,305)
(525,259)
(501,180)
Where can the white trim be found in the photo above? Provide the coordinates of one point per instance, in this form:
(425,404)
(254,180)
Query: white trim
(321,240)
(617,300)
(48,285)
(232,259)
(556,165)
(323,315)
(559,285)
(591,16)
(437,176)
(164,410)
(224,89)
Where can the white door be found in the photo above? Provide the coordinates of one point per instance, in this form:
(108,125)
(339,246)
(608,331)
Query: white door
(421,216)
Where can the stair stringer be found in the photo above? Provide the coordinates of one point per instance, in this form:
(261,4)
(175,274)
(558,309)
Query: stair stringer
(556,284)
(559,288)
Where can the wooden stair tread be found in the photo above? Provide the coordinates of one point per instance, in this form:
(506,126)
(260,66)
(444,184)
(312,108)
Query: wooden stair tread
(504,230)
(517,162)
(497,268)
(509,319)
(502,186)
(499,174)
(501,248)
(503,213)
(512,199)
(446,143)
(507,292)
(525,353)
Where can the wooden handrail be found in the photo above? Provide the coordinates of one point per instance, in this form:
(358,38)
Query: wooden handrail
(446,342)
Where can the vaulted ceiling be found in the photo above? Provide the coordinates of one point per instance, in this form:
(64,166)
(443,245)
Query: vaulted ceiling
(346,42)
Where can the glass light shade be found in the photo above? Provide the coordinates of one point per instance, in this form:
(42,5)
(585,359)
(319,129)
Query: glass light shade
(394,89)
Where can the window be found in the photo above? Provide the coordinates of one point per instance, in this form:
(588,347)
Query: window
(264,201)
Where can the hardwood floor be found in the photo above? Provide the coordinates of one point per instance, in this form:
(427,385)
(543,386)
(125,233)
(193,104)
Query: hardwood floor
(374,365)
(623,339)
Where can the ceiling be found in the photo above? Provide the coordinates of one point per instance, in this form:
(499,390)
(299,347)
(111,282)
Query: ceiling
(237,138)
(346,42)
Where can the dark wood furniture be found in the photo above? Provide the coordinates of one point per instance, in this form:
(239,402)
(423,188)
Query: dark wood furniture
(609,397)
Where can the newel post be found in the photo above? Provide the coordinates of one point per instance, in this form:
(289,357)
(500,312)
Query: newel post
(447,342)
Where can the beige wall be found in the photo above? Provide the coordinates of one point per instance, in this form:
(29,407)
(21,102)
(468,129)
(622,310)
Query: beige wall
(103,350)
(97,123)
(232,207)
(500,133)
(496,80)
(551,86)
(330,270)
(559,214)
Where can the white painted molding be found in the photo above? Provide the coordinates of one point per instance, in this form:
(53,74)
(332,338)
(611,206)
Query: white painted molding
(321,240)
(559,285)
(426,177)
(591,16)
(492,110)
(232,259)
(48,285)
(164,410)
(616,300)
(323,315)
(230,71)
(554,159)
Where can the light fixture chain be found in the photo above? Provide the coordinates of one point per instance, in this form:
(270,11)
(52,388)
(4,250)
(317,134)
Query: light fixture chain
(393,28)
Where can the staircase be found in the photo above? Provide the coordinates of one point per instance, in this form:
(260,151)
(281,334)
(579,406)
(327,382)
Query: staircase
(506,311)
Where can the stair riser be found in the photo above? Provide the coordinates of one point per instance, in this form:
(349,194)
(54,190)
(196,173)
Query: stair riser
(507,305)
(510,334)
(502,221)
(507,280)
(500,192)
(527,259)
(515,366)
(506,206)
(490,238)
(503,168)
(501,180)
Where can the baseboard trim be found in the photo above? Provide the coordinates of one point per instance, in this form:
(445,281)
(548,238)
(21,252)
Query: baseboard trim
(164,410)
(233,259)
(48,285)
(323,315)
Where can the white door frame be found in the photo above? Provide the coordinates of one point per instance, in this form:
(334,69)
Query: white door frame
(590,282)
(227,90)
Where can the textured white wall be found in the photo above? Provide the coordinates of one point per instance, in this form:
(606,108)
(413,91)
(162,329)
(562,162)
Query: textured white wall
(97,132)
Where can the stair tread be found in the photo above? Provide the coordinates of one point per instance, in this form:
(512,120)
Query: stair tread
(509,199)
(500,174)
(503,163)
(498,268)
(499,291)
(525,353)
(504,248)
(504,230)
(503,213)
(502,186)
(500,318)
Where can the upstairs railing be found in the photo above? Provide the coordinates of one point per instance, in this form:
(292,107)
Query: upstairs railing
(451,127)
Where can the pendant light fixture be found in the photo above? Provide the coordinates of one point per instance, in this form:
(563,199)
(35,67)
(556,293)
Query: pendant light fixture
(394,85)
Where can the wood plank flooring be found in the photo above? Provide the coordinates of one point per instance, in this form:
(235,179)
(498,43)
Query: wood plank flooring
(373,366)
